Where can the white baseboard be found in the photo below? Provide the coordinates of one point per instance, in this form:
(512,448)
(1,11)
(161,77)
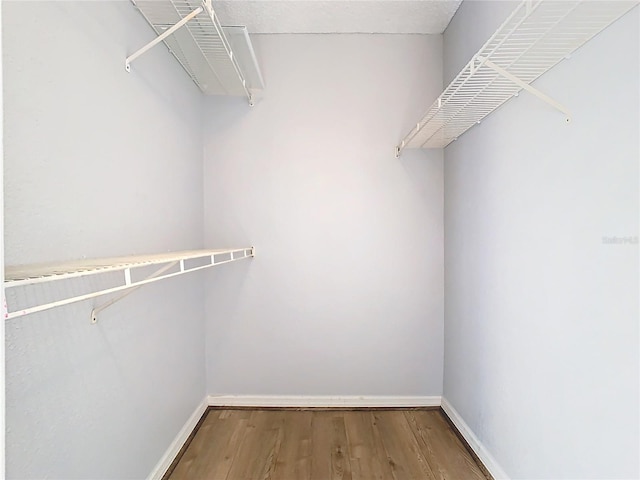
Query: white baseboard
(182,436)
(320,401)
(474,442)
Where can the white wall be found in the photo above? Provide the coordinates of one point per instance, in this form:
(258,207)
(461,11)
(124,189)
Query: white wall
(541,324)
(345,294)
(2,367)
(99,162)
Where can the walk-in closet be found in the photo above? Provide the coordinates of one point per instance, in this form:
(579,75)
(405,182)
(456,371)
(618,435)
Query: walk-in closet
(321,239)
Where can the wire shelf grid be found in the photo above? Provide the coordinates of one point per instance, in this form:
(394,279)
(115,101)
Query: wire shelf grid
(201,46)
(172,264)
(536,36)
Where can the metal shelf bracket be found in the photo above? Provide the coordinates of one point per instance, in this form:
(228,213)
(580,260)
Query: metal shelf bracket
(161,37)
(234,255)
(525,86)
(99,308)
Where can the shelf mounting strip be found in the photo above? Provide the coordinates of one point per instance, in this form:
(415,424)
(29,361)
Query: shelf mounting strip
(534,38)
(171,265)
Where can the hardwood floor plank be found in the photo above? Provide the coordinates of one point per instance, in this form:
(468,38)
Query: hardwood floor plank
(367,463)
(259,449)
(400,446)
(447,456)
(329,447)
(212,449)
(194,452)
(294,459)
(218,461)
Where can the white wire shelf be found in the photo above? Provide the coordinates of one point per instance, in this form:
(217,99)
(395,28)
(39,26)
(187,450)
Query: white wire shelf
(220,60)
(535,37)
(171,265)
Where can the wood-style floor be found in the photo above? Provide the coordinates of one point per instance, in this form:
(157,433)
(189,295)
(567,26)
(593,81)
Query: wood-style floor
(324,445)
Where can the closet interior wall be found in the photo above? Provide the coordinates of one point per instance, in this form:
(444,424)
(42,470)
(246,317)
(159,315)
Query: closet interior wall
(99,162)
(541,324)
(345,295)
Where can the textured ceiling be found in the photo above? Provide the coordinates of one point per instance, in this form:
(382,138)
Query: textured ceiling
(338,16)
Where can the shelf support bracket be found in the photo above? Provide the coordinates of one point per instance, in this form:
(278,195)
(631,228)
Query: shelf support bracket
(161,37)
(525,86)
(157,273)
